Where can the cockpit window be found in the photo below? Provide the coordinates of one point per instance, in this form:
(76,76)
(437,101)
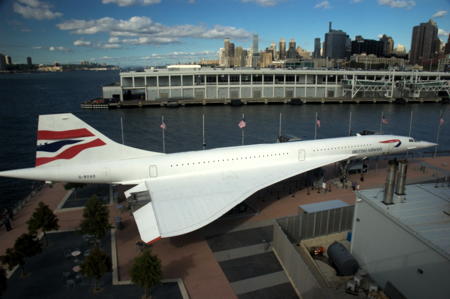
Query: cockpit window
(411,140)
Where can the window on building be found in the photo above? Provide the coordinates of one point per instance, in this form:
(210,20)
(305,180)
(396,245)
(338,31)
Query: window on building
(163,80)
(290,79)
(234,79)
(257,79)
(223,79)
(268,78)
(279,79)
(187,80)
(245,79)
(199,80)
(211,79)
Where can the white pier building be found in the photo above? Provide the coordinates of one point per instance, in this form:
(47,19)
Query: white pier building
(191,82)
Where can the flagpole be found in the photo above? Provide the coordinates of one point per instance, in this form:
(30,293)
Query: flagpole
(315,128)
(163,134)
(381,123)
(121,129)
(203,130)
(350,124)
(242,130)
(410,123)
(438,132)
(279,128)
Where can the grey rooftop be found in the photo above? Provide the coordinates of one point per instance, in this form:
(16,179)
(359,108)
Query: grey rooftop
(423,213)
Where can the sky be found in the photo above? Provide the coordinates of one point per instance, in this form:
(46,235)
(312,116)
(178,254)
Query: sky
(159,32)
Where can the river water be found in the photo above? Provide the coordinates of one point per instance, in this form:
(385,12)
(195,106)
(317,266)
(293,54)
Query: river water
(24,96)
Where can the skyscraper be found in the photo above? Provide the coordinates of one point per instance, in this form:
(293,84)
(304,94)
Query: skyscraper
(292,52)
(367,46)
(273,48)
(388,45)
(2,62)
(8,60)
(447,46)
(222,57)
(228,48)
(316,53)
(425,42)
(292,44)
(239,56)
(29,61)
(282,49)
(255,43)
(337,44)
(266,59)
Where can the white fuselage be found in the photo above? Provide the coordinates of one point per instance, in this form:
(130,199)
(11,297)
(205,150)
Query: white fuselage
(136,170)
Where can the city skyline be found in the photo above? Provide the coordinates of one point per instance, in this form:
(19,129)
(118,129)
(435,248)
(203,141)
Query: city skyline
(157,32)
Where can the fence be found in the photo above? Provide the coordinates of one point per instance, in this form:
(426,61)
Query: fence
(310,225)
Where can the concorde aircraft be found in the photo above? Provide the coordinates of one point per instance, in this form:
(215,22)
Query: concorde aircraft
(191,189)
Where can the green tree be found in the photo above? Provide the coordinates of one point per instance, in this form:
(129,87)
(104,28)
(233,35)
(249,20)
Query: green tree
(43,218)
(11,258)
(3,281)
(146,271)
(25,246)
(96,264)
(95,219)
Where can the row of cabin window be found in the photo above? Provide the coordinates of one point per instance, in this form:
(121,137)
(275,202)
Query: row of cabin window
(227,160)
(340,147)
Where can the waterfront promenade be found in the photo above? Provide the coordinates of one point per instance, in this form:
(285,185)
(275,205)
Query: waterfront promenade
(189,257)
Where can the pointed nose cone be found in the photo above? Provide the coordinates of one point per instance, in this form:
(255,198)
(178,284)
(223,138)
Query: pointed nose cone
(24,173)
(425,144)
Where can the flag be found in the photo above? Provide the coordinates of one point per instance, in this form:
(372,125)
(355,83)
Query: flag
(242,124)
(163,125)
(384,120)
(318,122)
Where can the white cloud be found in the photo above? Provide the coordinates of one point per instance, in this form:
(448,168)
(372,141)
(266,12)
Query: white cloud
(110,46)
(35,9)
(58,48)
(143,30)
(263,2)
(398,3)
(380,35)
(323,5)
(134,25)
(225,31)
(144,40)
(82,43)
(439,14)
(180,56)
(443,32)
(131,2)
(113,40)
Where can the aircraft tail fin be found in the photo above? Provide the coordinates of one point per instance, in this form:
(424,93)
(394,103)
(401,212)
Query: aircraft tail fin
(64,139)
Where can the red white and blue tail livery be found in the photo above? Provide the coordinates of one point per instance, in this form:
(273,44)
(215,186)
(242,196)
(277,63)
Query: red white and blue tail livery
(191,189)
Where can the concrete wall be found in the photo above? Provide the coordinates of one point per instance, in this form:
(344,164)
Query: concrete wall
(296,269)
(152,94)
(109,91)
(389,252)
